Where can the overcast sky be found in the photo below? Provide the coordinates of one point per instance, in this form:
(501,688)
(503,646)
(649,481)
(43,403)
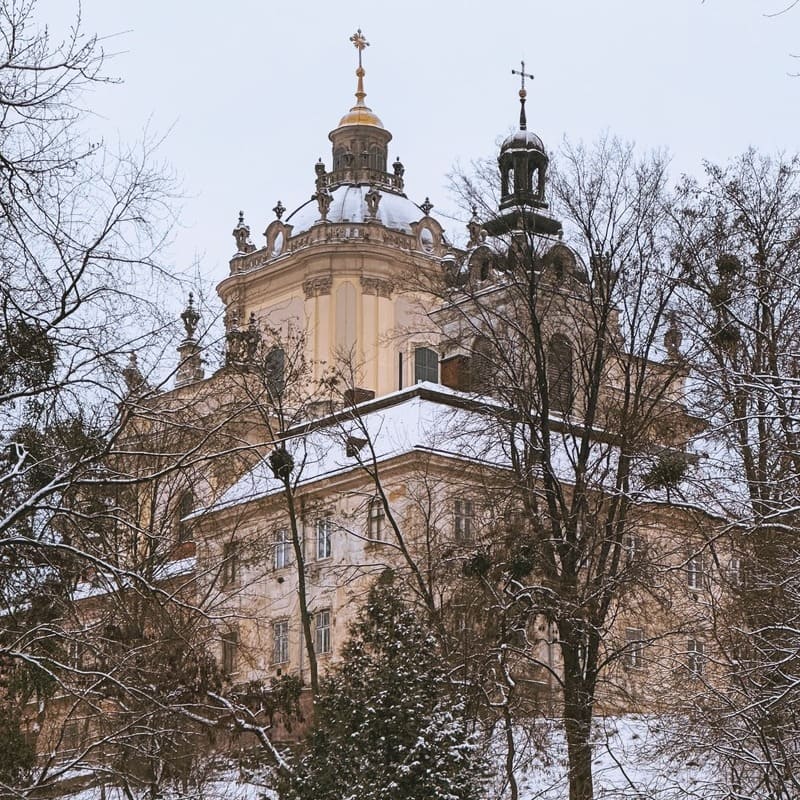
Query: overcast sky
(247,92)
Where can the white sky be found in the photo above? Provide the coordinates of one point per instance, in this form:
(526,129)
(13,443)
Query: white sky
(247,92)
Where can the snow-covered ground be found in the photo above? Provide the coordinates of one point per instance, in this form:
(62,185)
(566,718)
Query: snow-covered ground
(631,760)
(634,759)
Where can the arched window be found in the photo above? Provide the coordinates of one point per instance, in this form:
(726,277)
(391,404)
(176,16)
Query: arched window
(559,373)
(185,507)
(426,365)
(339,158)
(375,160)
(482,367)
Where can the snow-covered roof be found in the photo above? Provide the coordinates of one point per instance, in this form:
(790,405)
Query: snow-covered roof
(399,423)
(426,418)
(395,211)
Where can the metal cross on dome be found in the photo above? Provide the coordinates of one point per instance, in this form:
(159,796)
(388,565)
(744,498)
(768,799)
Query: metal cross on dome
(522,93)
(522,74)
(360,41)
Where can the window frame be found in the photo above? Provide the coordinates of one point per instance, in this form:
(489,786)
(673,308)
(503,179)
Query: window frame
(282,552)
(424,371)
(230,564)
(695,657)
(323,623)
(464,520)
(186,503)
(734,572)
(376,520)
(560,373)
(695,572)
(280,641)
(230,652)
(323,534)
(634,648)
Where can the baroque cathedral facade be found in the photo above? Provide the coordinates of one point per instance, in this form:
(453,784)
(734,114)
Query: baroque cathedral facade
(391,400)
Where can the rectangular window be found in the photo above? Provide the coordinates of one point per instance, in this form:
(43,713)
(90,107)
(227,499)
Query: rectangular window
(230,563)
(734,571)
(464,514)
(230,651)
(280,642)
(185,508)
(634,648)
(322,631)
(426,365)
(695,658)
(282,549)
(694,572)
(71,736)
(324,530)
(377,520)
(631,547)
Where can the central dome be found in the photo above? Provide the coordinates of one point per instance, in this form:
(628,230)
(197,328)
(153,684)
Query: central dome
(349,204)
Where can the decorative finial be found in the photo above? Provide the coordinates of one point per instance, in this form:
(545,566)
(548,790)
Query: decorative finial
(523,123)
(474,228)
(190,317)
(132,375)
(360,42)
(279,209)
(241,233)
(426,206)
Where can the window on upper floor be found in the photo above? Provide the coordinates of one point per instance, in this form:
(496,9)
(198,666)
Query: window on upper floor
(376,520)
(280,641)
(634,648)
(559,373)
(463,520)
(695,572)
(426,365)
(324,530)
(631,548)
(282,549)
(230,651)
(230,564)
(695,657)
(735,571)
(186,505)
(322,631)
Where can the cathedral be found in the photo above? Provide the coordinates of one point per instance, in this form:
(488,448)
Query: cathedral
(470,417)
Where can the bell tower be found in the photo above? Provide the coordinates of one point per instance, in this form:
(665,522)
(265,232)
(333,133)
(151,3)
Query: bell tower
(523,165)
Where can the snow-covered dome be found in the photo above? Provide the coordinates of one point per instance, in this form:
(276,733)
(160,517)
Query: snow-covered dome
(522,140)
(349,204)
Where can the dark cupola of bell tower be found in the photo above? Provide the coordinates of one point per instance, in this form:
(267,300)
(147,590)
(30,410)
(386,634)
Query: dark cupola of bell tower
(523,174)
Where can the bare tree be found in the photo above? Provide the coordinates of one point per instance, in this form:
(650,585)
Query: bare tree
(739,248)
(581,398)
(79,232)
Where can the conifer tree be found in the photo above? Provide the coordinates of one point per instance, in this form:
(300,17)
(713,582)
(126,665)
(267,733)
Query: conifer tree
(388,723)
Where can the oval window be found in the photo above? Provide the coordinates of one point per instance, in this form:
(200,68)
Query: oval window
(426,240)
(277,244)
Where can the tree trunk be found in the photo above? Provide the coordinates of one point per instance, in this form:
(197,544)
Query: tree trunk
(578,728)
